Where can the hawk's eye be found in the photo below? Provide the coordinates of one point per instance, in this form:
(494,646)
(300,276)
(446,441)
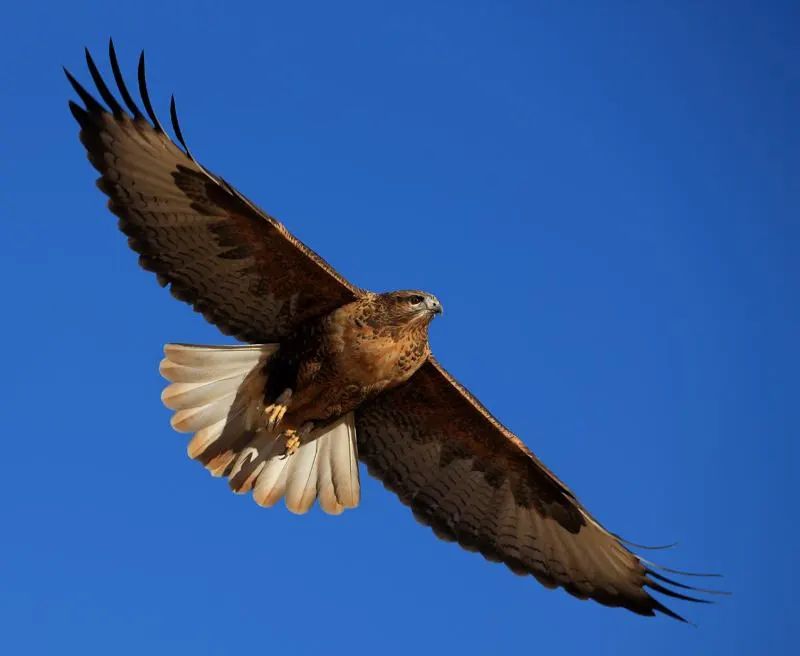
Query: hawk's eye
(415,300)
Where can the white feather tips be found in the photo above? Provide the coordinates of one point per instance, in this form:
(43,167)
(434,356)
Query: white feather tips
(325,468)
(217,393)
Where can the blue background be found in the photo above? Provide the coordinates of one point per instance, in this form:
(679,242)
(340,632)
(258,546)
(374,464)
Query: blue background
(604,196)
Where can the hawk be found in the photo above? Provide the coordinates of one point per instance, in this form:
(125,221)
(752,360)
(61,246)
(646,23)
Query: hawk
(332,373)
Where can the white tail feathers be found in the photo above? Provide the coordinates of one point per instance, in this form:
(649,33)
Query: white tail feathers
(325,467)
(218,394)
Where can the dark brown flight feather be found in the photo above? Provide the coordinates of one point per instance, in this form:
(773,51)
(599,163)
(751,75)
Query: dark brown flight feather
(234,263)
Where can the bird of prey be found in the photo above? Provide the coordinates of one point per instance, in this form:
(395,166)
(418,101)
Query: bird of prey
(332,373)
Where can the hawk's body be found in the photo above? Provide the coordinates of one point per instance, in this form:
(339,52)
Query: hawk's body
(332,373)
(335,363)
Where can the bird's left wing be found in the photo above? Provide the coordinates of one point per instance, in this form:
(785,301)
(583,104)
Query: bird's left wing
(233,262)
(474,482)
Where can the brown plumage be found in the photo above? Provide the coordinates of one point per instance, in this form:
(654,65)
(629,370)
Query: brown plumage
(333,373)
(336,362)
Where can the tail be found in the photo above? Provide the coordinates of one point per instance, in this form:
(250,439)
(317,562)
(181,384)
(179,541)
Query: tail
(218,394)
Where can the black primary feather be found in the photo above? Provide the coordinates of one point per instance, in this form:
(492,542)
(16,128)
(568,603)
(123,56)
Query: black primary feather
(146,96)
(108,97)
(173,114)
(123,90)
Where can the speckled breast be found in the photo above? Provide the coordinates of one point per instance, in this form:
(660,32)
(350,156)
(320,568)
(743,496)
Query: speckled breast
(377,357)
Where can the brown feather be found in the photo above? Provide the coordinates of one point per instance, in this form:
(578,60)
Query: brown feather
(231,261)
(515,511)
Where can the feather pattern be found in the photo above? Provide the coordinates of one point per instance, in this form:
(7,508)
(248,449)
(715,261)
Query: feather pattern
(215,248)
(217,393)
(344,462)
(473,481)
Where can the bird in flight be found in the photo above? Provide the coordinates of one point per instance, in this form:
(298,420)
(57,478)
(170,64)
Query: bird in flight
(332,373)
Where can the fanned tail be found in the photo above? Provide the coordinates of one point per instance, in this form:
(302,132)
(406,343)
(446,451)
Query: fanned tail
(218,394)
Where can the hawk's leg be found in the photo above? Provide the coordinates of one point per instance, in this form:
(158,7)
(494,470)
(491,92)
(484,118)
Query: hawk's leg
(274,412)
(294,438)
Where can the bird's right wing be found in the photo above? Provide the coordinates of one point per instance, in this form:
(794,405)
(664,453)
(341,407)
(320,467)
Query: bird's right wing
(474,482)
(234,263)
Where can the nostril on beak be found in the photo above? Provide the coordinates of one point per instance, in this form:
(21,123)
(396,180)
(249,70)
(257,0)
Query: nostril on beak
(433,305)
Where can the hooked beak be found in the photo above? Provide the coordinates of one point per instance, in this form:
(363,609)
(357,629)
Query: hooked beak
(433,305)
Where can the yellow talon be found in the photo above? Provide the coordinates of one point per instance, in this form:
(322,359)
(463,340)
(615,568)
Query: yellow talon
(274,412)
(292,443)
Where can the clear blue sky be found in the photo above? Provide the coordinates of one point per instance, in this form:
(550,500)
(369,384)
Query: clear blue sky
(608,197)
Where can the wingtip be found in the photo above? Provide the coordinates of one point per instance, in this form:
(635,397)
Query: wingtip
(123,89)
(141,67)
(112,52)
(143,92)
(176,126)
(680,572)
(675,595)
(647,547)
(100,83)
(665,610)
(684,586)
(88,100)
(79,114)
(70,77)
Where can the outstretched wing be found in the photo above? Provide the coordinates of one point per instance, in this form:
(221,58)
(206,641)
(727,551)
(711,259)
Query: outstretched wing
(234,263)
(469,478)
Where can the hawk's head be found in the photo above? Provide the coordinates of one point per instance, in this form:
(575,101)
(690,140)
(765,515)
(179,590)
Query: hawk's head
(409,306)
